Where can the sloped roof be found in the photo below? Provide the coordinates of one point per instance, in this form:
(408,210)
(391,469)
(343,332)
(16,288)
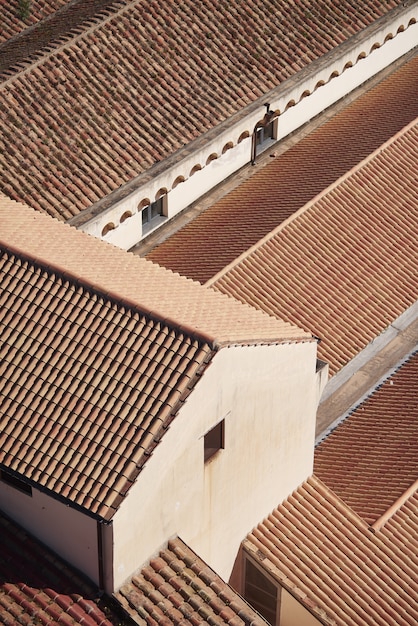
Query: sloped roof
(371,458)
(273,193)
(127,93)
(344,266)
(177,587)
(98,348)
(11,22)
(38,587)
(327,557)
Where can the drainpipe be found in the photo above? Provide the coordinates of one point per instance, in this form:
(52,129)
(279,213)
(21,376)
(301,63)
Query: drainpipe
(269,116)
(105,556)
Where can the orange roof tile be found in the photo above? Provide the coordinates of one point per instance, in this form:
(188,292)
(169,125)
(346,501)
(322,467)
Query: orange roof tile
(371,458)
(105,107)
(344,266)
(38,587)
(98,349)
(245,215)
(341,571)
(178,588)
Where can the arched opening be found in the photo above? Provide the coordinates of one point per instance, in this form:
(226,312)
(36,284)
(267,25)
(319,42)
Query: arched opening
(178,180)
(320,83)
(305,94)
(227,147)
(375,46)
(243,136)
(195,169)
(211,157)
(110,226)
(160,193)
(290,104)
(347,65)
(125,216)
(388,37)
(145,202)
(361,56)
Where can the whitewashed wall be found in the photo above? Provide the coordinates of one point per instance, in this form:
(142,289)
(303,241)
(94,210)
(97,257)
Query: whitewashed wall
(330,80)
(267,396)
(65,530)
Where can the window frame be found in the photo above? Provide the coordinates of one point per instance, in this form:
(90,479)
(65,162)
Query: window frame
(153,214)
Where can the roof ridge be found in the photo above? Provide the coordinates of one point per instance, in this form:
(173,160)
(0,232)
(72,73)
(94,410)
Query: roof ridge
(114,296)
(212,281)
(177,301)
(394,508)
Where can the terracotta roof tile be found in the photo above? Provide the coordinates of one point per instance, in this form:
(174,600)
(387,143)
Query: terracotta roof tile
(12,24)
(105,360)
(344,266)
(177,587)
(329,559)
(36,586)
(371,458)
(96,106)
(245,215)
(165,296)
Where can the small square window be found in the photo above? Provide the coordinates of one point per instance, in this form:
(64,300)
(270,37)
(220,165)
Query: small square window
(214,440)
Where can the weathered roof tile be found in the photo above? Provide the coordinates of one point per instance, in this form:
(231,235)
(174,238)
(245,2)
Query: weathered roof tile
(109,315)
(330,561)
(99,90)
(201,249)
(177,587)
(372,457)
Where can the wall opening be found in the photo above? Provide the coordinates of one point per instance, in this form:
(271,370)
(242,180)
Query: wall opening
(214,440)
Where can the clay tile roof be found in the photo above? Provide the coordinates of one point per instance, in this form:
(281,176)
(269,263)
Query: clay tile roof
(38,587)
(275,191)
(177,587)
(12,23)
(136,282)
(100,110)
(371,458)
(98,348)
(327,557)
(344,266)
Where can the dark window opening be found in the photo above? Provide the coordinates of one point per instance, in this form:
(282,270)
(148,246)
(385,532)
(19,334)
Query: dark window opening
(265,132)
(16,483)
(153,211)
(214,440)
(260,592)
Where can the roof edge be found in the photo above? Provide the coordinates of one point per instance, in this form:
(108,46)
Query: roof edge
(381,521)
(119,299)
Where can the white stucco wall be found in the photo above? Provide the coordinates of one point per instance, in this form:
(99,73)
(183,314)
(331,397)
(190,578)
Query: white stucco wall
(267,396)
(329,81)
(67,531)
